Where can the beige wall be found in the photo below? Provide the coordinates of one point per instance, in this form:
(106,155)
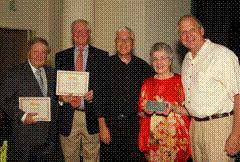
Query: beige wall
(72,10)
(112,15)
(161,24)
(39,16)
(151,20)
(29,15)
(55,27)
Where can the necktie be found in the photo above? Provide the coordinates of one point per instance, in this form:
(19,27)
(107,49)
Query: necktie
(40,82)
(76,101)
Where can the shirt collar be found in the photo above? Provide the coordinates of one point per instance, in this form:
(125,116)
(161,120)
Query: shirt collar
(33,68)
(84,49)
(200,52)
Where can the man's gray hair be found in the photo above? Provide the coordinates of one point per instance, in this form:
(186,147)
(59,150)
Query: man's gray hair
(79,21)
(192,17)
(125,28)
(35,40)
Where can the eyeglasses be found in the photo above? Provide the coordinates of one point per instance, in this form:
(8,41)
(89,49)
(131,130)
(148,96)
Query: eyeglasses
(124,39)
(81,32)
(162,58)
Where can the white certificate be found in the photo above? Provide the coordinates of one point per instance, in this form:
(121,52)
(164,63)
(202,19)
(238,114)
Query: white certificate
(72,83)
(40,105)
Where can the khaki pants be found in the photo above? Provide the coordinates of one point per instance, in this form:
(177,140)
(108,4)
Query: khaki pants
(79,142)
(208,139)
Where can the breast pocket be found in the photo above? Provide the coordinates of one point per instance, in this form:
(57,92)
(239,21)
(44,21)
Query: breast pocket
(204,80)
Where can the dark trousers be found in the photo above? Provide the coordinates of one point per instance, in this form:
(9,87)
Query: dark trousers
(124,141)
(45,153)
(104,152)
(237,159)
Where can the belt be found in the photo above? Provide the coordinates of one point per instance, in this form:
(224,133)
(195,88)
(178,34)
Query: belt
(214,116)
(123,116)
(80,109)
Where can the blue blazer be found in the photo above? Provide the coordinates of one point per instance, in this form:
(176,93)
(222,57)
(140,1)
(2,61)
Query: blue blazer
(96,65)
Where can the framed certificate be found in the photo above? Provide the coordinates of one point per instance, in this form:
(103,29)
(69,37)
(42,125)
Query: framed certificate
(40,105)
(156,106)
(73,83)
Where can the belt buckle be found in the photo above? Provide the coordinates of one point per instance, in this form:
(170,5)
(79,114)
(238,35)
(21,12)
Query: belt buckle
(80,109)
(121,116)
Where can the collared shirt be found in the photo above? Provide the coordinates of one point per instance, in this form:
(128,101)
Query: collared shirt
(85,56)
(125,81)
(210,80)
(34,70)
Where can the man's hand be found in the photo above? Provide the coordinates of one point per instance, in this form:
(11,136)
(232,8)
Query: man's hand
(66,98)
(232,146)
(89,96)
(147,111)
(104,134)
(30,119)
(74,100)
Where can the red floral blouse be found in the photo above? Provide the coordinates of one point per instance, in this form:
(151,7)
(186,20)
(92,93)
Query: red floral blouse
(164,138)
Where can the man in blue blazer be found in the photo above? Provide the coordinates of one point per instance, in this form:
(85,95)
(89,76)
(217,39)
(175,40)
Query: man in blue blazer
(80,134)
(31,140)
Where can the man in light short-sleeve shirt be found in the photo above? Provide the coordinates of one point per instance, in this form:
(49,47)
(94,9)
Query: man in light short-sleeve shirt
(211,77)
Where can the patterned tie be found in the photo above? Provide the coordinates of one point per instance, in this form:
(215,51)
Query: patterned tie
(40,82)
(76,101)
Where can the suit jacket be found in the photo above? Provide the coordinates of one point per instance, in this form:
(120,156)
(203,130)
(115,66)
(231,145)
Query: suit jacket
(96,66)
(21,82)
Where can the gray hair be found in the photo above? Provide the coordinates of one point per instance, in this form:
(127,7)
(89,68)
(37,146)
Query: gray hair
(191,17)
(125,28)
(161,46)
(35,40)
(85,22)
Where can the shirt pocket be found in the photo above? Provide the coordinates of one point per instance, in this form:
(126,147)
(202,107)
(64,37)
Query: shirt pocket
(204,80)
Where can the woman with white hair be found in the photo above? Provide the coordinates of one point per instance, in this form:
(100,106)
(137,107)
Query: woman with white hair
(164,135)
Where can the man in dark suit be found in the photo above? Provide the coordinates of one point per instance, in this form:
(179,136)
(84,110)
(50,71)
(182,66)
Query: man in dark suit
(31,140)
(80,136)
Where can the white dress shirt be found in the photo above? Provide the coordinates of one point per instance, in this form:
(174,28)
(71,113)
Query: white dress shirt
(44,81)
(210,80)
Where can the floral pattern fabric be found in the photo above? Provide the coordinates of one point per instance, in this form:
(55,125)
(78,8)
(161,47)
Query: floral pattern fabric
(164,138)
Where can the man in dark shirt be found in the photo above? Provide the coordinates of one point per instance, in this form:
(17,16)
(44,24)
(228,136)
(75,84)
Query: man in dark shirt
(118,120)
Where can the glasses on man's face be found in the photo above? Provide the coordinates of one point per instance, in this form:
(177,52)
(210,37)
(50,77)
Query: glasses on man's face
(190,31)
(162,58)
(44,52)
(81,32)
(125,40)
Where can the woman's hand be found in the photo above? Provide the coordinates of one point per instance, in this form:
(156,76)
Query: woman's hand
(147,111)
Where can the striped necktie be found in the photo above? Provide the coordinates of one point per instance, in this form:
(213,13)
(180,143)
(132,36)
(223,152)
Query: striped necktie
(40,82)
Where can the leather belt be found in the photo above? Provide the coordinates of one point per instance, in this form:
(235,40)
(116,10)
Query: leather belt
(80,109)
(214,116)
(123,116)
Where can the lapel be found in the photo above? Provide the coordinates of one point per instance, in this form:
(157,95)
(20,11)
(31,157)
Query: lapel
(70,60)
(49,79)
(90,57)
(32,81)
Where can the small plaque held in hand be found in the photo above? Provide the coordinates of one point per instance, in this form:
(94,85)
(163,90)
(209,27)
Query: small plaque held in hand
(156,106)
